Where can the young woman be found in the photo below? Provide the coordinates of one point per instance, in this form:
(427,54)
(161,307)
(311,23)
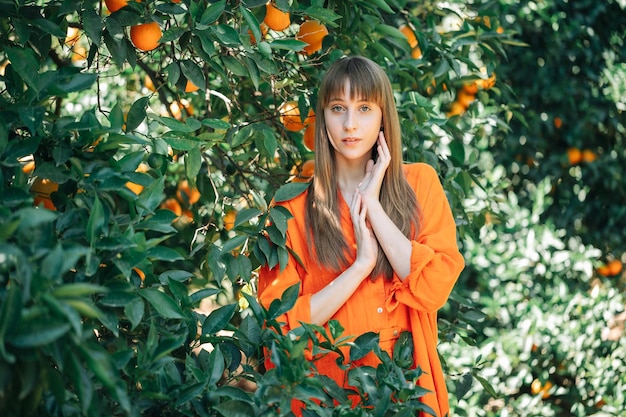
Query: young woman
(376,237)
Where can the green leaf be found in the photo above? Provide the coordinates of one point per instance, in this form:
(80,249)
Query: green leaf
(202,294)
(235,408)
(80,289)
(363,345)
(218,319)
(151,196)
(182,142)
(252,22)
(464,385)
(172,34)
(163,253)
(39,335)
(162,303)
(287,301)
(246,215)
(212,13)
(96,222)
(10,311)
(72,82)
(92,23)
(289,191)
(136,114)
(193,73)
(193,163)
(226,35)
(288,44)
(31,217)
(134,312)
(99,362)
(27,62)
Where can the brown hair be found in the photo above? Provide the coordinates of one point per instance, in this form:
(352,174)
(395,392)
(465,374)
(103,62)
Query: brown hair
(368,81)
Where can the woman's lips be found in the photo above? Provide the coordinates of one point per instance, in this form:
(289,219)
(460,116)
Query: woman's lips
(350,141)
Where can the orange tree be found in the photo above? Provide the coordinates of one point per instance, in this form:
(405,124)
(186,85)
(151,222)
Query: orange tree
(127,281)
(547,270)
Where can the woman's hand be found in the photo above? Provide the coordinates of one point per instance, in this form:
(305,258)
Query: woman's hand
(370,185)
(366,243)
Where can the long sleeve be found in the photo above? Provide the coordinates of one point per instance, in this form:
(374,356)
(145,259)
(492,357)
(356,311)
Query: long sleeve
(435,258)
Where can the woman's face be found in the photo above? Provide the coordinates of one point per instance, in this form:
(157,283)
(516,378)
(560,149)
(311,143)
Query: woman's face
(352,125)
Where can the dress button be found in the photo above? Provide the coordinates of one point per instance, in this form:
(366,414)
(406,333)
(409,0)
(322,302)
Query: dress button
(395,332)
(379,310)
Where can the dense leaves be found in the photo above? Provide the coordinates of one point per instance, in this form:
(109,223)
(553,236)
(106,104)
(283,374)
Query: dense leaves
(138,191)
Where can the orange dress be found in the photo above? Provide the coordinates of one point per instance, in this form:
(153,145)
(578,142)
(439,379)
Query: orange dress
(382,306)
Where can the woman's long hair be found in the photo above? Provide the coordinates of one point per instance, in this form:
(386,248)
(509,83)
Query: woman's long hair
(328,246)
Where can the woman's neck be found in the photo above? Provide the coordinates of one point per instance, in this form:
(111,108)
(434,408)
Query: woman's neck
(349,175)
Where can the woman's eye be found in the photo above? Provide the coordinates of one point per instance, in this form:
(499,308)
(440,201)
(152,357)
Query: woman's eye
(336,108)
(365,108)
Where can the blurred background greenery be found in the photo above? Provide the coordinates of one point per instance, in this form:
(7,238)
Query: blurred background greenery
(141,144)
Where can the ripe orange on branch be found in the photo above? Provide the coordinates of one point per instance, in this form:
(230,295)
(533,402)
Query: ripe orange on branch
(611,269)
(115,5)
(290,116)
(306,171)
(275,18)
(186,194)
(146,36)
(229,219)
(309,137)
(190,87)
(43,188)
(313,33)
(416,52)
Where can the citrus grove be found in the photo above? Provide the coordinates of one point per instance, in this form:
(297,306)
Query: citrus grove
(144,146)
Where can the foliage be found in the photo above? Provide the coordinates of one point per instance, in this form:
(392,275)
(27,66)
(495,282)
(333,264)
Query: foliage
(113,278)
(571,97)
(551,342)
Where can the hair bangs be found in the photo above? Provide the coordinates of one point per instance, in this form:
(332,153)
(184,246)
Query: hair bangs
(365,83)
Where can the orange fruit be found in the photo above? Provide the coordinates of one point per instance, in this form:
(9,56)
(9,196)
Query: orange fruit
(309,137)
(558,122)
(306,171)
(489,82)
(574,156)
(135,188)
(614,267)
(79,53)
(229,219)
(177,108)
(313,33)
(464,98)
(140,273)
(73,35)
(43,188)
(186,194)
(275,18)
(190,87)
(28,167)
(416,53)
(115,5)
(173,205)
(146,36)
(456,109)
(147,82)
(290,116)
(410,35)
(589,156)
(538,388)
(470,88)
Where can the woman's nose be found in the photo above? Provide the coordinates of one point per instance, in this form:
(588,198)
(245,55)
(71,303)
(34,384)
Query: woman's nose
(349,121)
